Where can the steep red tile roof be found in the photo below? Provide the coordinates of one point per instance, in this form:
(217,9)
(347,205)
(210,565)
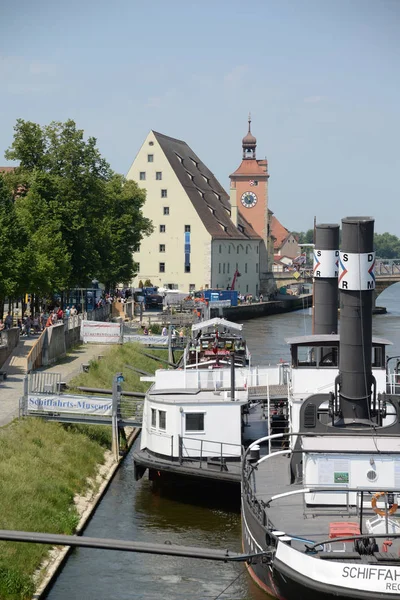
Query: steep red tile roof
(279,232)
(252,167)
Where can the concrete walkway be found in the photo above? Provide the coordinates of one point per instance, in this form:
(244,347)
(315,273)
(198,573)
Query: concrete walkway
(11,389)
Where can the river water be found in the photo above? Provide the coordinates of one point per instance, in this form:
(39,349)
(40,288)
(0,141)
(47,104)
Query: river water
(134,511)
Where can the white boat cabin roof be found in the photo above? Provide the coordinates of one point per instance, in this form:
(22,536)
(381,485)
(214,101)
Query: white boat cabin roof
(197,397)
(216,322)
(359,443)
(315,339)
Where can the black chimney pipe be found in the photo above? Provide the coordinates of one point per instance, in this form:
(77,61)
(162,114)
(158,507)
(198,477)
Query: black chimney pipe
(356,284)
(326,270)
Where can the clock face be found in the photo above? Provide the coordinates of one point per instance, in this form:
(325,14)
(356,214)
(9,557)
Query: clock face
(249,199)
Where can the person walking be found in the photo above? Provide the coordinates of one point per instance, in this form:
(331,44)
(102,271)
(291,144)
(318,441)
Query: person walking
(8,321)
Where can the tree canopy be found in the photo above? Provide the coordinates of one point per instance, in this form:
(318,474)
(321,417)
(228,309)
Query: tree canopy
(386,244)
(65,216)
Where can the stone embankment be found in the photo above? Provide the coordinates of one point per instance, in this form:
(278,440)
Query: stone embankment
(86,505)
(263,309)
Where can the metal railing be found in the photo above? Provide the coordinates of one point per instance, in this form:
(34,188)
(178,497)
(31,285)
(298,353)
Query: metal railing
(207,451)
(387,267)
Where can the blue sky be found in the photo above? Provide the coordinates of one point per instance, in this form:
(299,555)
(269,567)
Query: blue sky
(321,79)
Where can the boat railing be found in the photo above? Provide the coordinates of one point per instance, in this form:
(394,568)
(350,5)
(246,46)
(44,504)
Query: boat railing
(209,452)
(393,383)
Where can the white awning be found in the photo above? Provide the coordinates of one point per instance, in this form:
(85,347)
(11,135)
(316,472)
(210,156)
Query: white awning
(216,322)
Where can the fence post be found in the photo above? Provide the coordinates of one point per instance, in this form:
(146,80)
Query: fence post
(180,449)
(116,394)
(170,355)
(23,407)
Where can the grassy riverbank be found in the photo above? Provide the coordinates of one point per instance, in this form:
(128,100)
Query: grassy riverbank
(44,465)
(118,360)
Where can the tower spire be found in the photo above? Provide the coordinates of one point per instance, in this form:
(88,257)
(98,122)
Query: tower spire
(249,143)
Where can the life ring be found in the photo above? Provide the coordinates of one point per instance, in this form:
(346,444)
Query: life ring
(379,511)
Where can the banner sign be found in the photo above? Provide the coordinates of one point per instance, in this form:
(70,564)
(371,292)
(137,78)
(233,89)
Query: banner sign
(326,263)
(101,332)
(356,271)
(82,405)
(219,303)
(152,340)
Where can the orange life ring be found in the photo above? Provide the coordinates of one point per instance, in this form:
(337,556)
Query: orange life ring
(379,511)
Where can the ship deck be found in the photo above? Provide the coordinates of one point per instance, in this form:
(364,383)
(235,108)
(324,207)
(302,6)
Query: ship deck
(296,519)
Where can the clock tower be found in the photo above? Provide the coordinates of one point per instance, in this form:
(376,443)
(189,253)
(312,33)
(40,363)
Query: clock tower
(249,194)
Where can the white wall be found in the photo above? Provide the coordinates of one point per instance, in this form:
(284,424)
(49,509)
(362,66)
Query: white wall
(162,442)
(226,254)
(314,380)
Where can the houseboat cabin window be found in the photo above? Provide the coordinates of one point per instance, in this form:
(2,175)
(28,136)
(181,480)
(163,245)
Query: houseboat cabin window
(315,356)
(153,417)
(162,419)
(194,421)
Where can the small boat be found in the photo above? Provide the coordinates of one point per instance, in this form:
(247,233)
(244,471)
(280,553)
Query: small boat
(197,417)
(320,501)
(213,343)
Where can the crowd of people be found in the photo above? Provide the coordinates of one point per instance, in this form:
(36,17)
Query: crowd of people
(29,325)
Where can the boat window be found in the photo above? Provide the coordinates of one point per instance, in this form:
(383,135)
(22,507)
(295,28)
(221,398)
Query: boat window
(378,356)
(328,357)
(307,356)
(162,419)
(153,417)
(316,356)
(194,422)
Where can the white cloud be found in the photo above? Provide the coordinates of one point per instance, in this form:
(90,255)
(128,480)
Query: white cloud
(313,99)
(158,101)
(235,76)
(40,68)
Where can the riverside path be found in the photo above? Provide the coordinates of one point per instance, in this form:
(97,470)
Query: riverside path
(11,389)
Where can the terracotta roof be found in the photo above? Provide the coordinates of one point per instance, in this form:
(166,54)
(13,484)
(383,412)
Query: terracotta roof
(279,232)
(252,167)
(208,197)
(7,169)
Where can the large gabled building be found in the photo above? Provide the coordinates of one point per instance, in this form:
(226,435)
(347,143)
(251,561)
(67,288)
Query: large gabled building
(200,240)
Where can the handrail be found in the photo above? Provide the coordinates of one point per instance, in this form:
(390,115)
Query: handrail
(323,489)
(273,454)
(35,352)
(186,437)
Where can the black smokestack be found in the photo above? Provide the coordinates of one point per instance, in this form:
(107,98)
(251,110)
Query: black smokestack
(356,284)
(326,269)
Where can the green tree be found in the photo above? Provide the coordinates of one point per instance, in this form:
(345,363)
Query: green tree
(148,283)
(84,221)
(387,245)
(123,227)
(304,237)
(13,267)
